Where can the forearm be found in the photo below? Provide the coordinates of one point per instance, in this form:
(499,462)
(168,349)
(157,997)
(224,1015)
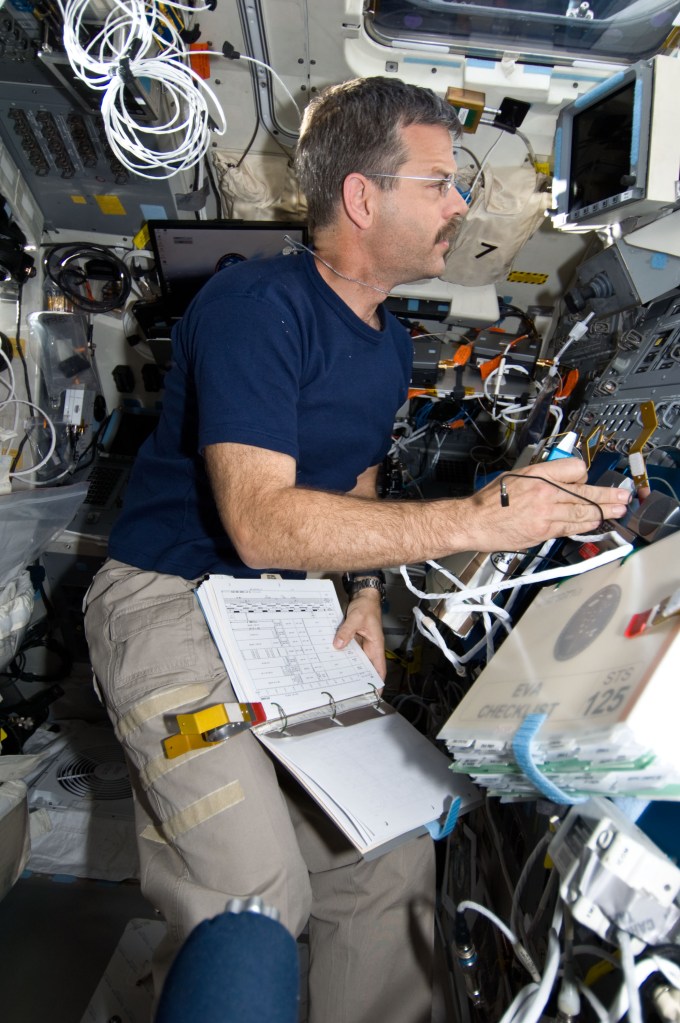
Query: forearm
(274,523)
(317,531)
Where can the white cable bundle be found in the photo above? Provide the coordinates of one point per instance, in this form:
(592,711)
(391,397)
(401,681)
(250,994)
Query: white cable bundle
(137,41)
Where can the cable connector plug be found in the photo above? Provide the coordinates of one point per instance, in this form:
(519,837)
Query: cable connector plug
(568,1001)
(575,334)
(466,957)
(527,962)
(580,328)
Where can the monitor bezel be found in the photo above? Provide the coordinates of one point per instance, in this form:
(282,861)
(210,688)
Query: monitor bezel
(296,228)
(613,207)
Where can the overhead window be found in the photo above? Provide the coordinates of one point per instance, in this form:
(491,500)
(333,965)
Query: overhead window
(556,31)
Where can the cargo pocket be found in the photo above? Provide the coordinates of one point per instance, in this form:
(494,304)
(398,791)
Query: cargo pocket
(156,643)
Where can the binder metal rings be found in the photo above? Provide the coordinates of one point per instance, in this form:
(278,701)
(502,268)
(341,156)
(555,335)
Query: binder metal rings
(284,717)
(333,706)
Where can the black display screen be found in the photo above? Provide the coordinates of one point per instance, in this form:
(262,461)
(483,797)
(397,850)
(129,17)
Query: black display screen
(602,137)
(189,252)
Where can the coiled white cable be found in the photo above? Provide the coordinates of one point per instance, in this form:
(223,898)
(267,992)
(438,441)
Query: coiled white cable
(139,43)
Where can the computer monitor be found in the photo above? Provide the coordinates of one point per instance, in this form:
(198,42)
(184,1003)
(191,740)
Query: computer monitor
(189,252)
(617,147)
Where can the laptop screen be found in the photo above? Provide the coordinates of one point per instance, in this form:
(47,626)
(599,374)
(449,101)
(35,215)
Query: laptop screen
(189,252)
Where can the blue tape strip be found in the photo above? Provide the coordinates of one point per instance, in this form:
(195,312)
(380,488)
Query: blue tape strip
(558,151)
(438,830)
(659,261)
(635,127)
(432,61)
(631,807)
(536,69)
(599,90)
(521,747)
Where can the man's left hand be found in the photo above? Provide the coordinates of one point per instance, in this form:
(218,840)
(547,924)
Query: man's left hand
(363,622)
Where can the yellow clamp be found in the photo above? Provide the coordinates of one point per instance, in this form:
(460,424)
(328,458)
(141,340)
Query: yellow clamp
(191,729)
(194,726)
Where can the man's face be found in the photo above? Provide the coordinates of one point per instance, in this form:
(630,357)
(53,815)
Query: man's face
(417,219)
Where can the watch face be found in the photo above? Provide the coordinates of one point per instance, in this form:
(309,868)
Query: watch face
(586,624)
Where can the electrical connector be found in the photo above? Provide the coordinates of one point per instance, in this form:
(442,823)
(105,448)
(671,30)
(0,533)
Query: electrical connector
(575,334)
(568,1001)
(613,877)
(580,328)
(667,1002)
(466,957)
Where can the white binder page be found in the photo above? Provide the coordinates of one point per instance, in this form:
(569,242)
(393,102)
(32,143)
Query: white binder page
(275,637)
(378,780)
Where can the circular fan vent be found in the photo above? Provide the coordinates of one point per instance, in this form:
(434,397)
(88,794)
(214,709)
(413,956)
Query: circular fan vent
(99,772)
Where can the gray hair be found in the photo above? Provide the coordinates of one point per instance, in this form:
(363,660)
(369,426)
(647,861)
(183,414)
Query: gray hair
(356,127)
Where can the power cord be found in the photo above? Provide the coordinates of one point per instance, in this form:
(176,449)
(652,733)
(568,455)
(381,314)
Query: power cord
(73,268)
(505,497)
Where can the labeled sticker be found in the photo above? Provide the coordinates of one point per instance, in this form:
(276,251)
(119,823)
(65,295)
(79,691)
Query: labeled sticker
(110,205)
(524,277)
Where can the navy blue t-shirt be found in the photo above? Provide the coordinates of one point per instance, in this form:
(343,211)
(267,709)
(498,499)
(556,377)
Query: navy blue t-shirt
(267,355)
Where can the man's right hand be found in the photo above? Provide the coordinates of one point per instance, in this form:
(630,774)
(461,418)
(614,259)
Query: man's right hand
(542,502)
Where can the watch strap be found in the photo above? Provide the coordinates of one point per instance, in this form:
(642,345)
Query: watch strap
(366,582)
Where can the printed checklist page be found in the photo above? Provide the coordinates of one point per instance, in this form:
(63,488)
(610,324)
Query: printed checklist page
(275,637)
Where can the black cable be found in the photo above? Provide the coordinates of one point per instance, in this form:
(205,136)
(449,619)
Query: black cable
(27,382)
(17,457)
(92,446)
(34,638)
(671,952)
(215,190)
(235,166)
(194,188)
(543,479)
(250,143)
(506,309)
(20,350)
(61,265)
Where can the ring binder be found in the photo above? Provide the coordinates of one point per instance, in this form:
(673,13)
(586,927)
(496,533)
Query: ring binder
(284,718)
(353,711)
(333,706)
(378,698)
(377,777)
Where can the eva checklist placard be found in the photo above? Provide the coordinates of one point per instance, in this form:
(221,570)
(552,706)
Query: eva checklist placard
(601,698)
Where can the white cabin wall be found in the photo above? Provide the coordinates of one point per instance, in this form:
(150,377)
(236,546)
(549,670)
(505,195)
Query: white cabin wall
(311,45)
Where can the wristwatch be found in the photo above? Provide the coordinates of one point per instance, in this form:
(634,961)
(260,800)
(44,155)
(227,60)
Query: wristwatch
(353,582)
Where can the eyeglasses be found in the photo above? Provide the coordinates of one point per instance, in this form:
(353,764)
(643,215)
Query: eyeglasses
(444,184)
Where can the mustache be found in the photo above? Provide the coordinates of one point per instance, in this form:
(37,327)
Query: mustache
(449,231)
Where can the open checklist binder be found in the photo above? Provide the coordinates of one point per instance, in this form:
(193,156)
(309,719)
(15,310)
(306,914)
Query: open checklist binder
(373,773)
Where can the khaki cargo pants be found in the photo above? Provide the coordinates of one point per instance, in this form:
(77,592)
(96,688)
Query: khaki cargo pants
(219,823)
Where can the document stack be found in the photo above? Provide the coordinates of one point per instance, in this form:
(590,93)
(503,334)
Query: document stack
(583,696)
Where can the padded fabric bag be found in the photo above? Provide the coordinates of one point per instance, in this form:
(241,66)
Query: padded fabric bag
(505,212)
